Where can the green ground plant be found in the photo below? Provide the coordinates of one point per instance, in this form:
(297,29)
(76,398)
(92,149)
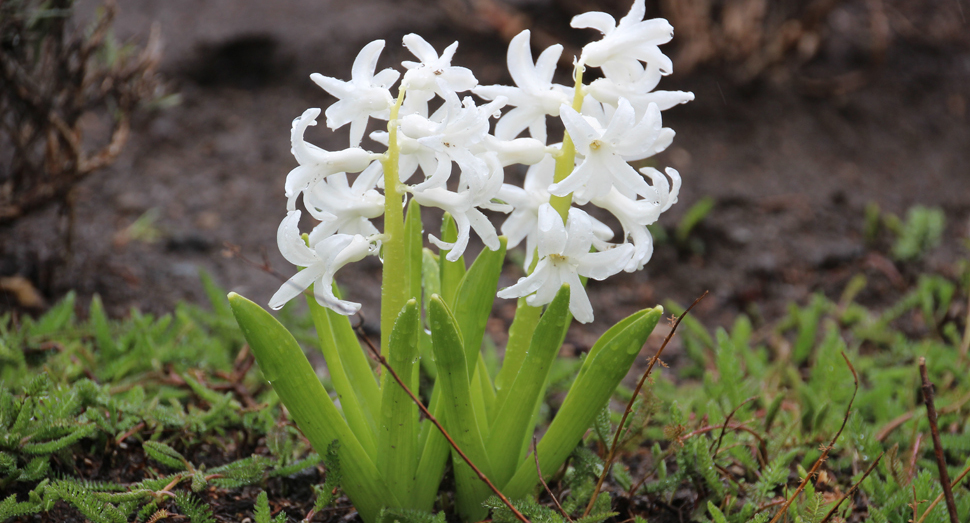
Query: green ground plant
(737,429)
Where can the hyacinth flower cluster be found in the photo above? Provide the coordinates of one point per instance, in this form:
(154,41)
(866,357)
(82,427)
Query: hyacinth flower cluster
(448,143)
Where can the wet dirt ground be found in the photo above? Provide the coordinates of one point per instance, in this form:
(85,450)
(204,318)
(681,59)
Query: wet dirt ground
(790,168)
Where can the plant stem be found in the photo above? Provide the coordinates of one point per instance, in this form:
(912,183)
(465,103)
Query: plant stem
(951,505)
(566,160)
(394,288)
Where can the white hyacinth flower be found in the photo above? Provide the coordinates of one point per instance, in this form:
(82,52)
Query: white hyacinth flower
(434,73)
(526,200)
(635,215)
(638,91)
(321,263)
(461,126)
(564,256)
(607,151)
(366,95)
(316,163)
(534,97)
(345,208)
(473,193)
(626,44)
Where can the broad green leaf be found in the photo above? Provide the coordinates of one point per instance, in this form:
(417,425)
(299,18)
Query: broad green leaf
(472,309)
(514,416)
(451,273)
(286,368)
(413,249)
(431,282)
(397,440)
(459,419)
(349,372)
(477,291)
(520,336)
(607,363)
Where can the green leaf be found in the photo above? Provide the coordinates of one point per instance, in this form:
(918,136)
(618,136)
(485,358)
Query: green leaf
(261,511)
(716,515)
(520,337)
(53,446)
(165,455)
(607,363)
(98,321)
(459,419)
(397,440)
(413,249)
(477,290)
(56,318)
(451,272)
(512,430)
(215,294)
(350,373)
(286,368)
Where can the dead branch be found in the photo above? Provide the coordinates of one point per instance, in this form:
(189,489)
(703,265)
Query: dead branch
(951,505)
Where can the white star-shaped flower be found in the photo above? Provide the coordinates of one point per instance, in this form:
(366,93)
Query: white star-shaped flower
(564,256)
(606,152)
(473,192)
(535,95)
(433,73)
(316,163)
(365,95)
(526,200)
(626,44)
(345,208)
(638,91)
(321,263)
(635,215)
(453,132)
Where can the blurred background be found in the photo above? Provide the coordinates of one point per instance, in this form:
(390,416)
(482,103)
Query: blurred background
(143,141)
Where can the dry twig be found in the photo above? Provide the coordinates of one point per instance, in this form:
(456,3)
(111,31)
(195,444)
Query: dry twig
(951,505)
(535,454)
(940,497)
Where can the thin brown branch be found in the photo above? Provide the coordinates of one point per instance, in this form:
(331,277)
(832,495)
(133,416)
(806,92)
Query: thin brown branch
(709,428)
(893,425)
(903,418)
(951,505)
(535,454)
(853,488)
(825,450)
(629,406)
(715,446)
(940,496)
(913,456)
(376,353)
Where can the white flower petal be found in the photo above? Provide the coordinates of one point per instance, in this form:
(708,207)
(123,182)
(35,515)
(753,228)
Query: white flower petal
(291,243)
(295,286)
